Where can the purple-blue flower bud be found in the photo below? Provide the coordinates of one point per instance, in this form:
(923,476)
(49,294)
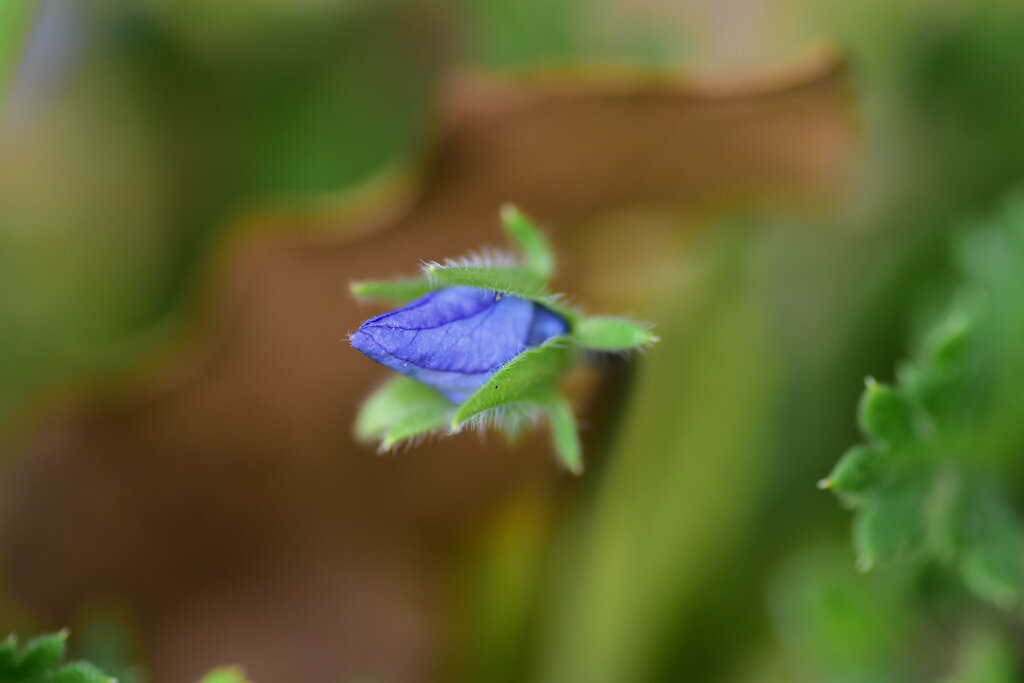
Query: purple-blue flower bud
(453,340)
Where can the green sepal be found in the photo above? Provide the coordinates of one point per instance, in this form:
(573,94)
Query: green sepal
(538,257)
(401,409)
(606,333)
(513,280)
(565,436)
(524,379)
(431,419)
(399,291)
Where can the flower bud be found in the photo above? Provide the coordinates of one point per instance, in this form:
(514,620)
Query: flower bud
(453,340)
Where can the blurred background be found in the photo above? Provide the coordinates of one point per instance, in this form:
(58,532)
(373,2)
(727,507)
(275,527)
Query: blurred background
(187,187)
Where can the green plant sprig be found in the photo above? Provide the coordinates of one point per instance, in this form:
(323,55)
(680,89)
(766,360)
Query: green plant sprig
(525,388)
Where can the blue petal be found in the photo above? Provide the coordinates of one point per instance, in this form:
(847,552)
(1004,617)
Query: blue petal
(546,324)
(454,339)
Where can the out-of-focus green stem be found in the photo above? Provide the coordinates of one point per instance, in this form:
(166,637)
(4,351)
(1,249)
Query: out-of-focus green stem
(15,21)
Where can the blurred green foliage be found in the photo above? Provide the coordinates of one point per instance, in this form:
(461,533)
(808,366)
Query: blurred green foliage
(200,112)
(195,120)
(15,21)
(41,661)
(927,480)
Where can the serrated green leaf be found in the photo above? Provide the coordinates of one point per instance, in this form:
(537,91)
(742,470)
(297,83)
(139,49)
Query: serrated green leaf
(399,291)
(227,674)
(954,411)
(859,469)
(78,672)
(9,656)
(947,344)
(565,434)
(939,394)
(44,652)
(885,414)
(400,409)
(991,574)
(605,333)
(538,256)
(992,543)
(525,378)
(891,526)
(39,662)
(505,279)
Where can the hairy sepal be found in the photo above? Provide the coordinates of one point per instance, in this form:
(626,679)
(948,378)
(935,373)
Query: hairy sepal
(397,291)
(527,378)
(538,257)
(402,409)
(607,333)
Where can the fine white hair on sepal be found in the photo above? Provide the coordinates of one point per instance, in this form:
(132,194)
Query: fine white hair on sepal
(484,258)
(559,300)
(411,442)
(516,417)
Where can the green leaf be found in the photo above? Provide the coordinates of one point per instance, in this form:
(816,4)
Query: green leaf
(946,346)
(8,653)
(564,433)
(40,662)
(891,523)
(505,279)
(538,256)
(885,414)
(399,291)
(855,472)
(400,409)
(990,533)
(78,672)
(605,333)
(926,483)
(226,674)
(44,652)
(526,378)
